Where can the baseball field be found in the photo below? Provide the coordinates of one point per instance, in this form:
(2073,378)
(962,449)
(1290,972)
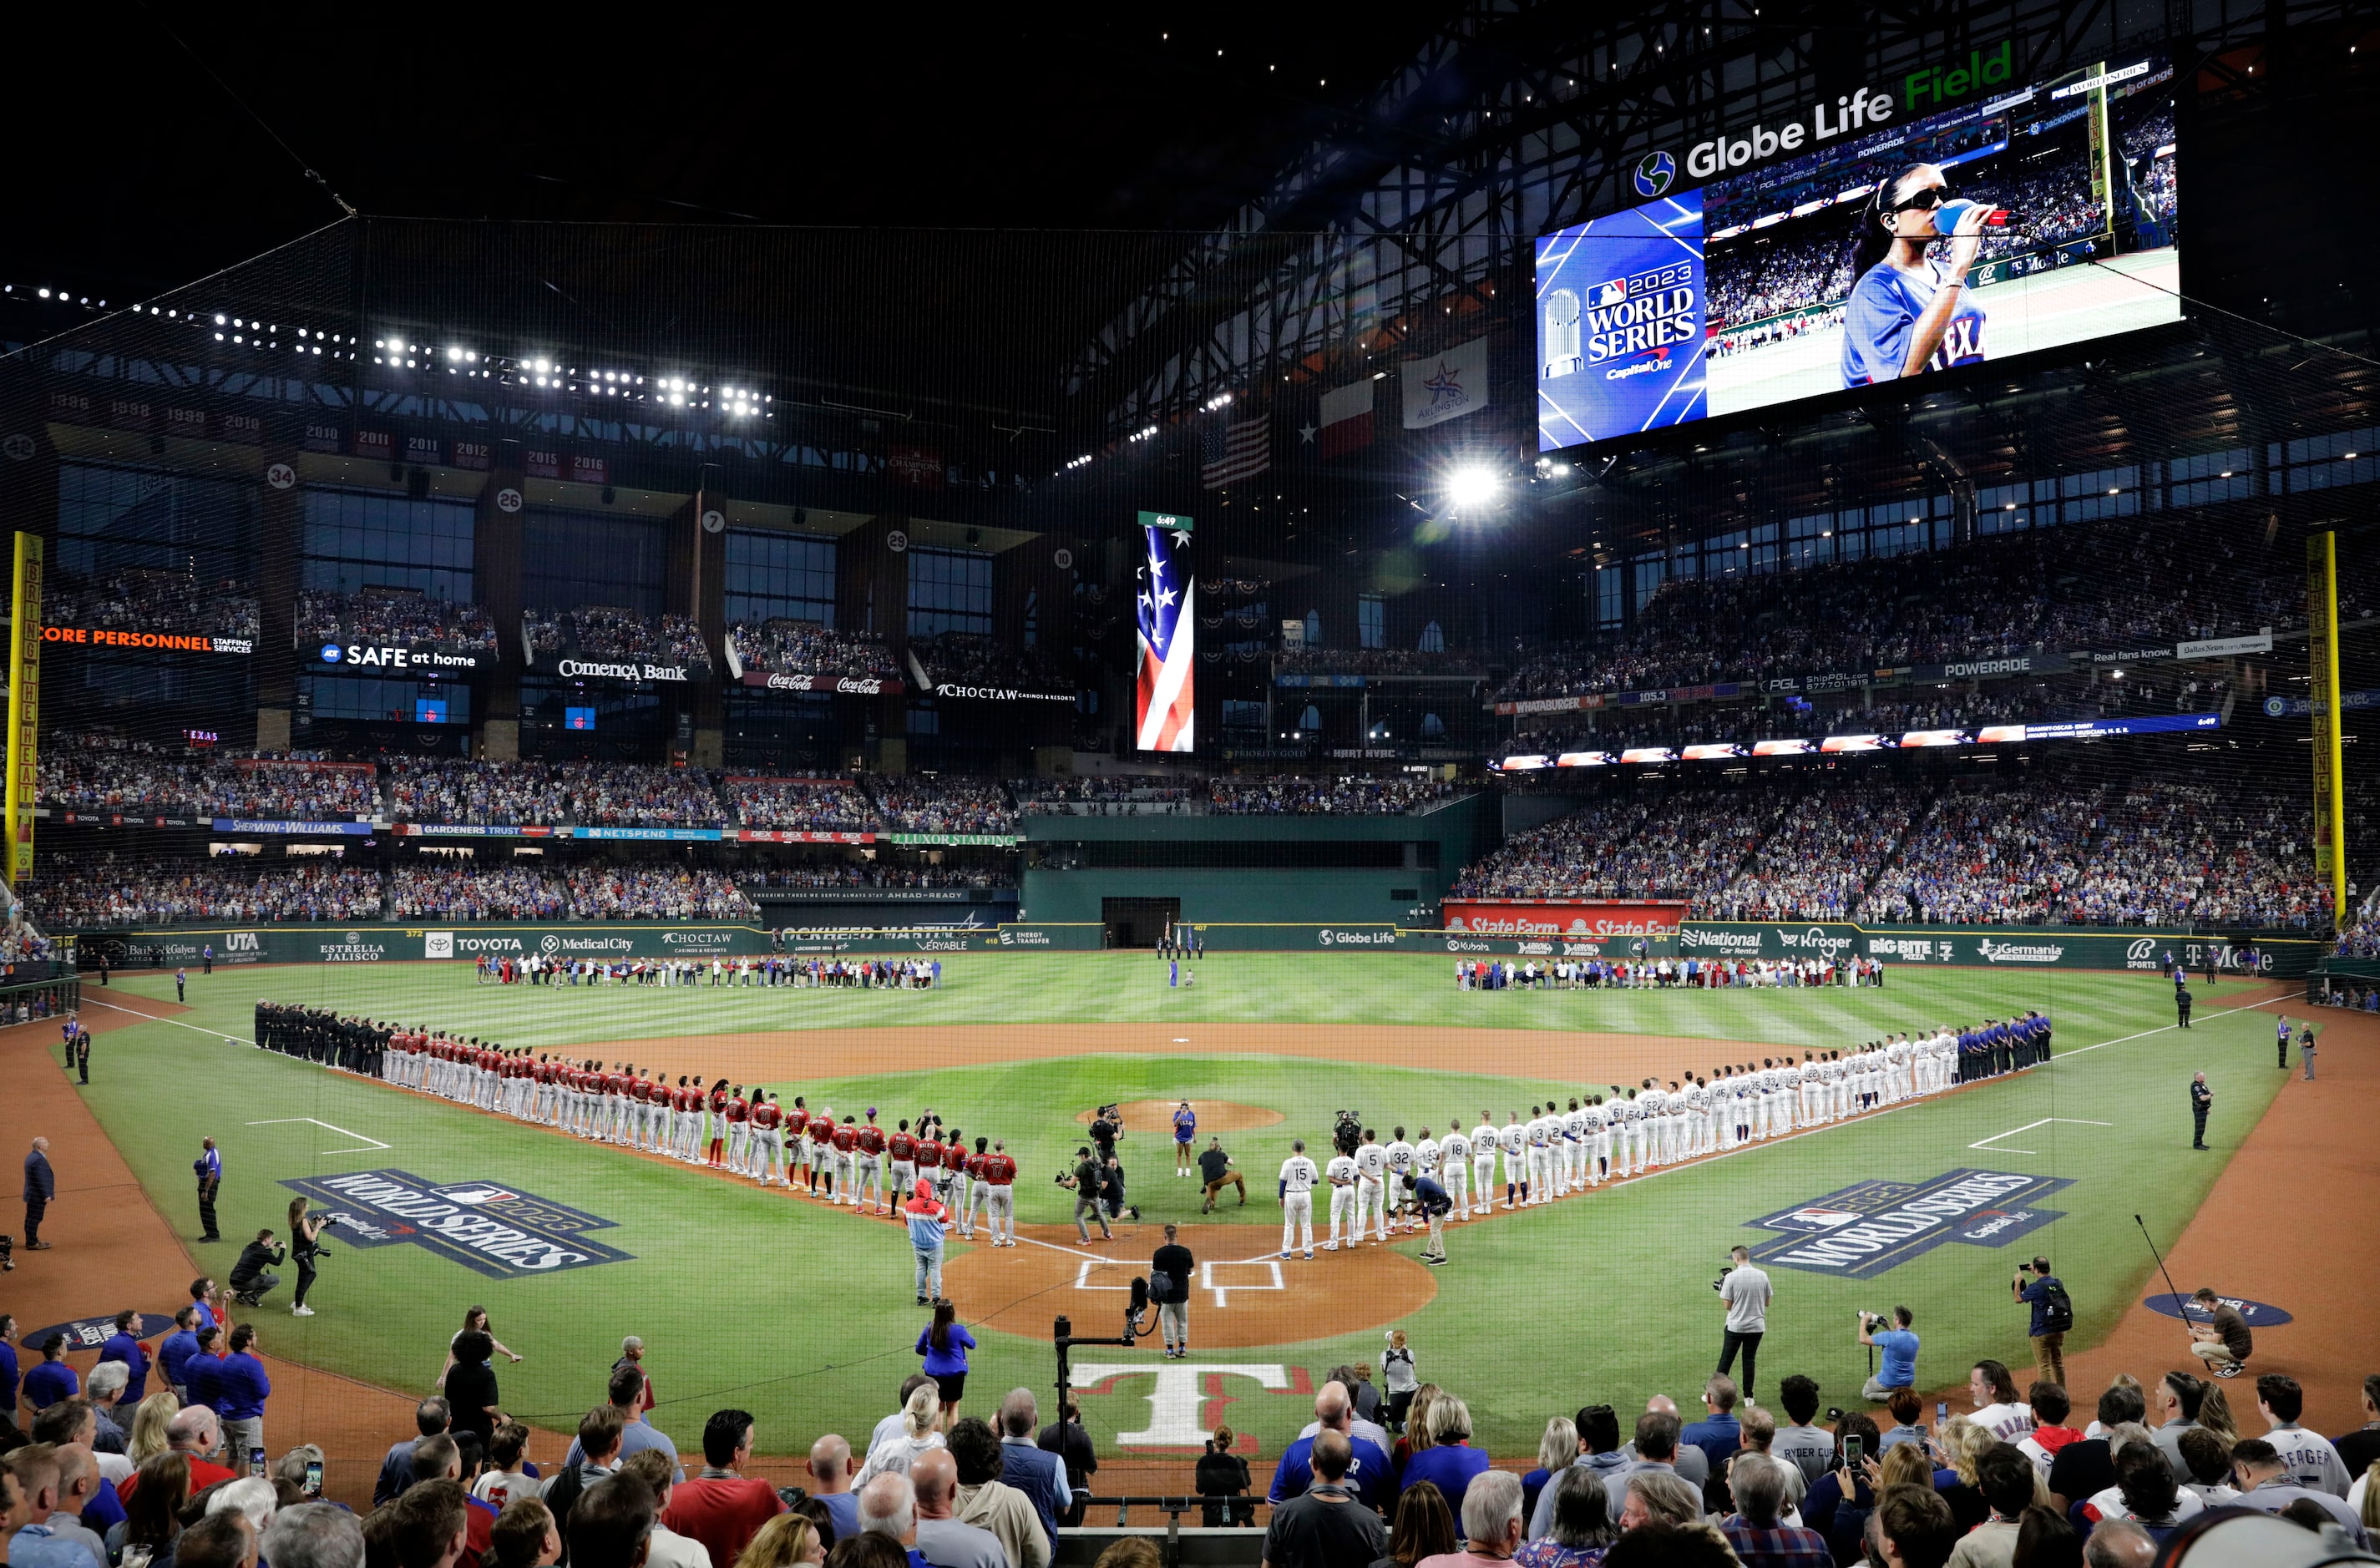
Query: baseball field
(803,1313)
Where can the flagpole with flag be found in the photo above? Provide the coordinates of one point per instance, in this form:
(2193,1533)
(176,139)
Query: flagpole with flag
(1166,693)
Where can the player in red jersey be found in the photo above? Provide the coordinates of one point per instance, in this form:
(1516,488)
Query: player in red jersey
(797,1143)
(822,1151)
(685,1137)
(954,1181)
(739,1129)
(930,1159)
(846,1157)
(903,1148)
(768,1140)
(1000,1175)
(716,1102)
(870,1165)
(978,1191)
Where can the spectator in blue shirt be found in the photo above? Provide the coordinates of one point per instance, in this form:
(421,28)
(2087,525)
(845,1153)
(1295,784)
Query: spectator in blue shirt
(1898,1347)
(8,1369)
(176,1349)
(36,1544)
(242,1389)
(52,1379)
(1367,1473)
(202,1371)
(429,1418)
(944,1343)
(125,1345)
(1025,1465)
(202,1300)
(1450,1460)
(1719,1434)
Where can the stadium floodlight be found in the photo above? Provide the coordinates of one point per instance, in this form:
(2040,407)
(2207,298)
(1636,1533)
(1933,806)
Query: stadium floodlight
(1472,487)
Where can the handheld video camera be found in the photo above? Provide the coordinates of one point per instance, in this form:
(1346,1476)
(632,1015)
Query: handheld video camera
(1725,1269)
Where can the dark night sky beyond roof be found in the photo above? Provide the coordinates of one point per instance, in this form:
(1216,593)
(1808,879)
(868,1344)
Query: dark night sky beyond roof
(135,171)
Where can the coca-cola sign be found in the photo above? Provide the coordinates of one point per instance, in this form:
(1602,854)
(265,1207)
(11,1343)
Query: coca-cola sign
(846,685)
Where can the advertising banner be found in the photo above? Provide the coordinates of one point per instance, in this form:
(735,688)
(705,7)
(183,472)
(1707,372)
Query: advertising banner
(163,640)
(251,825)
(1605,917)
(842,686)
(798,835)
(405,661)
(25,630)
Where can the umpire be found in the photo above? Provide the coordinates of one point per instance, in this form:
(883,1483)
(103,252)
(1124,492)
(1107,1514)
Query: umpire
(2201,1101)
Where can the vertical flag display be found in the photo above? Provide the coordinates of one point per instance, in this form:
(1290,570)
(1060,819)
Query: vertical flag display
(1166,695)
(2329,770)
(1347,418)
(1446,388)
(24,703)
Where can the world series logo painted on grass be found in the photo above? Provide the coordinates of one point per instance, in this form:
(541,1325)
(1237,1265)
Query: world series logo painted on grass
(497,1230)
(1866,1228)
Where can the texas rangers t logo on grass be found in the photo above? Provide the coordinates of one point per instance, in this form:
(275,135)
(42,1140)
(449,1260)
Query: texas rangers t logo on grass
(1865,1229)
(497,1230)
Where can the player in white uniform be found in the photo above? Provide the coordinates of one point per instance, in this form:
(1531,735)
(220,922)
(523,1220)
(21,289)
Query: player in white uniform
(1709,1108)
(1426,1157)
(1515,1139)
(1594,1141)
(1654,1102)
(1297,1178)
(1371,1171)
(1574,1143)
(1401,1172)
(1814,1094)
(1838,1084)
(1341,1174)
(1483,1141)
(1454,1153)
(1535,1189)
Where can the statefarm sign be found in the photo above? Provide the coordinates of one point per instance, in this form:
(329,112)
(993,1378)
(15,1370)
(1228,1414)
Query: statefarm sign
(1564,917)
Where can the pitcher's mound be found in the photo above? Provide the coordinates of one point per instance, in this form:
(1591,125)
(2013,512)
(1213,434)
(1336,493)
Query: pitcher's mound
(1240,1295)
(1149,1117)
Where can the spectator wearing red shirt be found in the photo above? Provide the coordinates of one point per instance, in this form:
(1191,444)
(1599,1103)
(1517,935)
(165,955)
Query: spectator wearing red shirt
(719,1507)
(193,1432)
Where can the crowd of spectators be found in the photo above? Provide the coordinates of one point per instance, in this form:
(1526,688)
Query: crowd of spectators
(109,890)
(658,891)
(590,793)
(93,773)
(432,890)
(1295,794)
(2007,854)
(1817,861)
(806,648)
(394,619)
(145,599)
(1679,843)
(818,806)
(1099,793)
(923,803)
(969,659)
(865,874)
(636,795)
(2222,852)
(2110,584)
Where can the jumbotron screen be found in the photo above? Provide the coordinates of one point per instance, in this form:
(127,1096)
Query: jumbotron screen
(1827,263)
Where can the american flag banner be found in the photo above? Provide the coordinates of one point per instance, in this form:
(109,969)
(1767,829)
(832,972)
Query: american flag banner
(1168,643)
(1236,450)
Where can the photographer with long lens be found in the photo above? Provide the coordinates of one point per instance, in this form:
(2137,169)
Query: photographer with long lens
(1892,1336)
(305,1250)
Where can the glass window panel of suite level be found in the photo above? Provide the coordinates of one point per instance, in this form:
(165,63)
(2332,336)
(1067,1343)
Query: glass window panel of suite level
(1371,621)
(1809,542)
(574,558)
(355,539)
(949,590)
(1609,610)
(2208,477)
(779,576)
(342,697)
(111,518)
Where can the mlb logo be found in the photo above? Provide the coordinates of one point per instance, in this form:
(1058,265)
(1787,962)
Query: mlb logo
(477,1194)
(1811,1220)
(1612,293)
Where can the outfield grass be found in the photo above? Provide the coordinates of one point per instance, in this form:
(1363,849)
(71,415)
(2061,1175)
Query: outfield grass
(796,1312)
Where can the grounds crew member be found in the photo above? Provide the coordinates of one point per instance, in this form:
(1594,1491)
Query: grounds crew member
(1215,1166)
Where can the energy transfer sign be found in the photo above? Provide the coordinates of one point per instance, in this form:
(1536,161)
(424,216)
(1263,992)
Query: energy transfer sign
(497,1230)
(1870,1227)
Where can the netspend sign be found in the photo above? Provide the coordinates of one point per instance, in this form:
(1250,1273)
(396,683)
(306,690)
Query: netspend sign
(1563,917)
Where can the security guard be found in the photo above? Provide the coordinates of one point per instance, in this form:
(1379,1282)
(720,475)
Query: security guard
(2201,1101)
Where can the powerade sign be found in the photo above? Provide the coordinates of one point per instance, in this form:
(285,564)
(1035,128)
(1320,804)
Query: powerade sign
(497,1230)
(1873,1227)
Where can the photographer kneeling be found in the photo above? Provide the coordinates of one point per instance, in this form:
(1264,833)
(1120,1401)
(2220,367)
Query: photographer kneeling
(1892,1336)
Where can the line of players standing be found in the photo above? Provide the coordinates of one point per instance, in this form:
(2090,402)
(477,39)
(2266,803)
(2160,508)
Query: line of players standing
(1556,1151)
(838,1162)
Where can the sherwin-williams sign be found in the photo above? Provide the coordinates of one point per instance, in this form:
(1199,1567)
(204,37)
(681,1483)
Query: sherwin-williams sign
(498,1231)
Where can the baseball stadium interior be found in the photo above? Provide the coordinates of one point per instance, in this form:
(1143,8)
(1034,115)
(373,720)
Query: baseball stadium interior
(625,705)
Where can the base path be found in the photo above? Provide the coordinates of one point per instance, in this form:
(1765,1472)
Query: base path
(1240,1296)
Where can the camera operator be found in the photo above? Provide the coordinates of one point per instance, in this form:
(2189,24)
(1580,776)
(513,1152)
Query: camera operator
(304,1246)
(1892,1336)
(1085,1180)
(2053,1314)
(1107,1126)
(1743,1293)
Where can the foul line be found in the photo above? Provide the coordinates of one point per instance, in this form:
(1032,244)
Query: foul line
(1072,1251)
(368,1142)
(153,1018)
(2071,1120)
